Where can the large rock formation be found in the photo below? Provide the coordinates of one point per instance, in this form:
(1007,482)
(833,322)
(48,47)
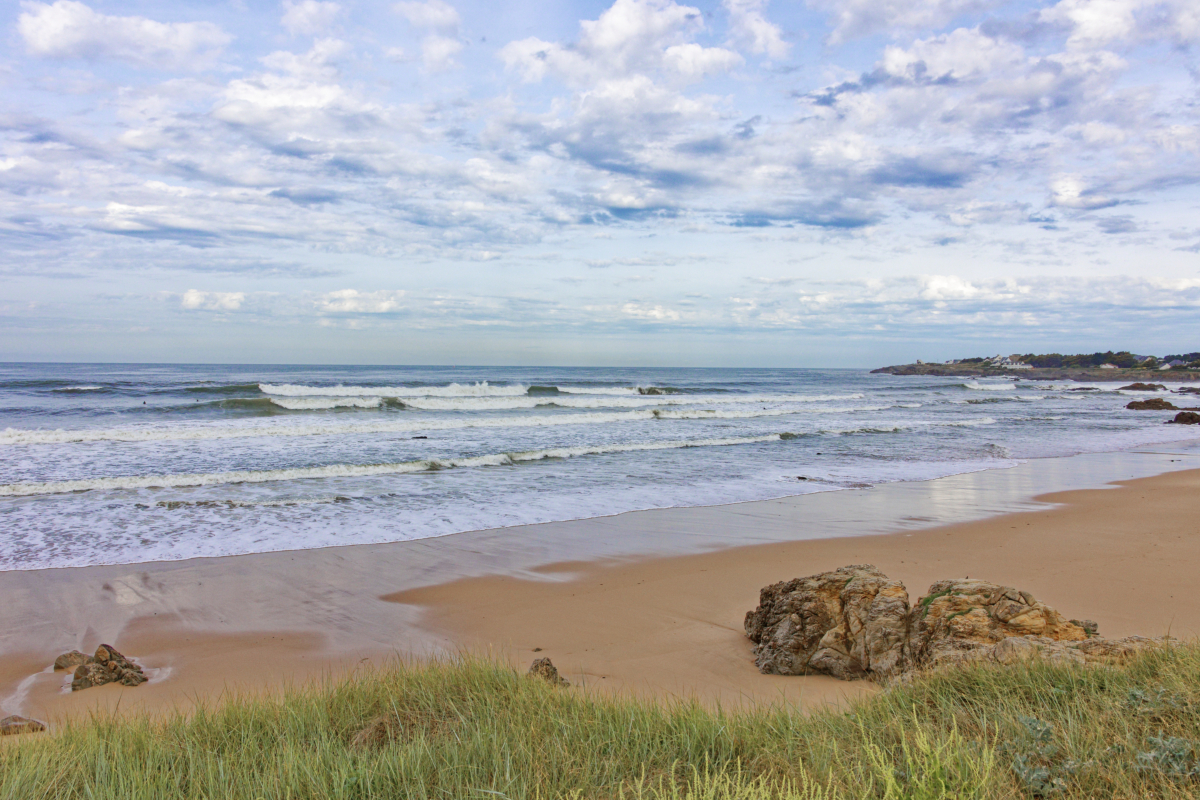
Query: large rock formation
(1143,387)
(855,622)
(849,623)
(1187,418)
(107,666)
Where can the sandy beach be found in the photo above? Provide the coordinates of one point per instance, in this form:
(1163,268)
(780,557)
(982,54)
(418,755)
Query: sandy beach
(619,618)
(673,626)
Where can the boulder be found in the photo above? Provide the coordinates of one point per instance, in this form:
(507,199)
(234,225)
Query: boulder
(849,623)
(1187,418)
(855,622)
(544,668)
(71,660)
(1153,404)
(89,675)
(14,725)
(1143,387)
(959,617)
(107,666)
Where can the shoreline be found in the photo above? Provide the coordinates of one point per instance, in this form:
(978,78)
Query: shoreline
(253,622)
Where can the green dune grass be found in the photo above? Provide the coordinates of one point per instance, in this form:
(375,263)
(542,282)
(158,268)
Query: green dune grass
(473,728)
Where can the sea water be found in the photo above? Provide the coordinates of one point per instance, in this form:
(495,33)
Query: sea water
(104,464)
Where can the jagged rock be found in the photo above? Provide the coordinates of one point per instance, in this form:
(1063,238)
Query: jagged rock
(107,666)
(959,617)
(14,725)
(71,660)
(849,623)
(1187,418)
(1153,404)
(544,668)
(89,675)
(1144,387)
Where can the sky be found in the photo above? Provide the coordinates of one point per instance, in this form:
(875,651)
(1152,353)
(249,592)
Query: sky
(643,182)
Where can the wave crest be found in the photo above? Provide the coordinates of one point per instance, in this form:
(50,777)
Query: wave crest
(357,470)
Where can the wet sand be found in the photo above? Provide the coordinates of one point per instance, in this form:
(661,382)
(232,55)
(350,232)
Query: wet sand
(650,602)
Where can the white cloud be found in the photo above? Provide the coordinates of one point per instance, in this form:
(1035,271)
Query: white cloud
(1071,191)
(69,29)
(438,52)
(632,37)
(441,44)
(947,287)
(308,17)
(657,313)
(855,18)
(212,301)
(963,54)
(750,28)
(434,14)
(351,301)
(694,62)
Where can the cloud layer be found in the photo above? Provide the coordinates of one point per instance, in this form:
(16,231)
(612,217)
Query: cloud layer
(754,167)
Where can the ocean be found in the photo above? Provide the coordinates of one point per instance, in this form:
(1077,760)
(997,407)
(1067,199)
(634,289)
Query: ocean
(114,464)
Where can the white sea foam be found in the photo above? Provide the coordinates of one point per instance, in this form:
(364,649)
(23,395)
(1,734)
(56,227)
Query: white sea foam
(207,431)
(608,401)
(78,389)
(610,390)
(325,403)
(990,387)
(966,423)
(355,470)
(898,427)
(481,389)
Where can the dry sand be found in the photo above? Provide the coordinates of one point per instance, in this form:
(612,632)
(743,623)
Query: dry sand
(666,626)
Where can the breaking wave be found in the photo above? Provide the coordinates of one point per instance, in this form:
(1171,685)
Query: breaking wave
(202,432)
(989,387)
(357,470)
(325,403)
(481,389)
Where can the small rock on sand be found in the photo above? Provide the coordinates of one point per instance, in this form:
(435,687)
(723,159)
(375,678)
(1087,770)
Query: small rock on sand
(14,724)
(71,660)
(544,668)
(107,666)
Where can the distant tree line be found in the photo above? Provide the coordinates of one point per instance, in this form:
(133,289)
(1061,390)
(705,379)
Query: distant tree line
(1123,359)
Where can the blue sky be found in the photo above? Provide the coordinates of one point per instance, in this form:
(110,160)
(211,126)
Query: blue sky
(641,182)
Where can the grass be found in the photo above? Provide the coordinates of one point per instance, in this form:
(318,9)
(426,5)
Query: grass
(473,728)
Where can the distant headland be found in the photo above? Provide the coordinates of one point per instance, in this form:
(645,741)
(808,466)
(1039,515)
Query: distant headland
(1108,366)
